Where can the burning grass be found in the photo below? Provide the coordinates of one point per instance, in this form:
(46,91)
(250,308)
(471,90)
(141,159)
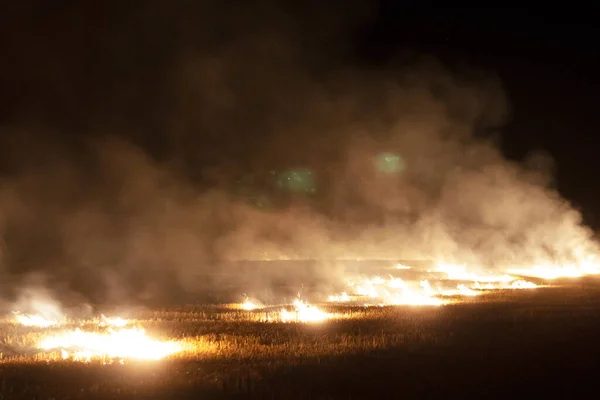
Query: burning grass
(364,351)
(204,332)
(218,332)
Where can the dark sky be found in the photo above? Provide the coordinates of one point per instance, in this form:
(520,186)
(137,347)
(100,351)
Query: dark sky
(547,59)
(74,67)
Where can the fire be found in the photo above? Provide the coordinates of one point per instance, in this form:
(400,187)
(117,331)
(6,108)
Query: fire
(303,313)
(116,322)
(483,282)
(395,291)
(250,305)
(587,266)
(466,291)
(114,344)
(460,273)
(521,284)
(412,297)
(341,298)
(34,320)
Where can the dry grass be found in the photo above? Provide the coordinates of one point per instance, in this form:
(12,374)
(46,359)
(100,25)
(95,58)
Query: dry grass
(232,353)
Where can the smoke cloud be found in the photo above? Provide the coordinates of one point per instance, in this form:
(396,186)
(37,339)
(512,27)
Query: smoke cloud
(125,193)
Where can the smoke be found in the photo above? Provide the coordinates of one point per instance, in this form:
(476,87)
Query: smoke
(131,199)
(38,300)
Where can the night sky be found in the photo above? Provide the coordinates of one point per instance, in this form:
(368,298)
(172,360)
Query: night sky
(548,62)
(80,69)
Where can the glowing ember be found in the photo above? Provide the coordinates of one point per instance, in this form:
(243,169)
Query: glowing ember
(303,313)
(34,320)
(121,344)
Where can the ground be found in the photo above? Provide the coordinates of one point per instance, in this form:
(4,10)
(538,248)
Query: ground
(511,344)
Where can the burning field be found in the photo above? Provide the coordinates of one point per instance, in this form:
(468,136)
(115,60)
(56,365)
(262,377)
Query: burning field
(145,166)
(380,332)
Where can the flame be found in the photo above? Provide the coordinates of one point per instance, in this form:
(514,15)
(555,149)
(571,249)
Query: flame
(460,273)
(116,322)
(466,291)
(114,344)
(34,320)
(250,305)
(303,313)
(587,266)
(409,296)
(107,345)
(395,291)
(341,298)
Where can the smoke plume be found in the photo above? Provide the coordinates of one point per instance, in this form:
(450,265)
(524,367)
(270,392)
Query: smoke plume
(120,162)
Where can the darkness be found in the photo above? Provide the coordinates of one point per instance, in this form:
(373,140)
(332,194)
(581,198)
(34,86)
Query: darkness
(548,61)
(76,67)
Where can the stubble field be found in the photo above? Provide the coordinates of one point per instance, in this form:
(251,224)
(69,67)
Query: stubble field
(507,344)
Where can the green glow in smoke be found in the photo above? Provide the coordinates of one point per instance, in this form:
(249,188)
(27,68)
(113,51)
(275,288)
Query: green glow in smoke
(390,163)
(297,181)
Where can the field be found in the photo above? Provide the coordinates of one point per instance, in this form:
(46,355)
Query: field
(540,342)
